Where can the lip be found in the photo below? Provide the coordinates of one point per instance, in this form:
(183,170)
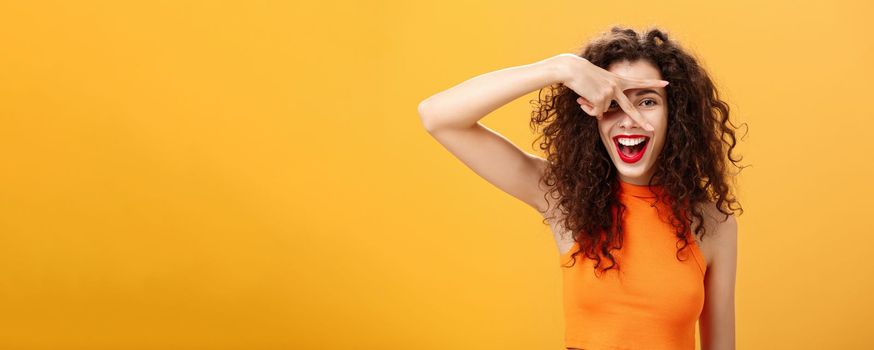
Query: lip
(638,156)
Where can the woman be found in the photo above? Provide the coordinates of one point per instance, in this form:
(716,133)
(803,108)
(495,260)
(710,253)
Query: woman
(635,177)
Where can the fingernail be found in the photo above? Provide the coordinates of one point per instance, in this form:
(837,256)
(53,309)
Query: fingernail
(666,82)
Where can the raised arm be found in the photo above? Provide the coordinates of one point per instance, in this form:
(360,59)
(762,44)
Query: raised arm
(452,118)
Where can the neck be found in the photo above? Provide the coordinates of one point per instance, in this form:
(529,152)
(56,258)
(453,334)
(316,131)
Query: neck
(640,181)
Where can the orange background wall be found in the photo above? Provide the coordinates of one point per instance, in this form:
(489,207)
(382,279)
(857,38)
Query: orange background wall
(254,174)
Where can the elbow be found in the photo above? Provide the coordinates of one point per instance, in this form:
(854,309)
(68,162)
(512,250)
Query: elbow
(438,117)
(425,116)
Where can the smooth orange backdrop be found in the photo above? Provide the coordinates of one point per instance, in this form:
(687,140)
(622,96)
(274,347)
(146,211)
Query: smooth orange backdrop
(254,174)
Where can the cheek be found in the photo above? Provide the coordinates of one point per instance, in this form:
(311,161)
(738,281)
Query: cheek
(601,127)
(661,126)
(659,146)
(657,117)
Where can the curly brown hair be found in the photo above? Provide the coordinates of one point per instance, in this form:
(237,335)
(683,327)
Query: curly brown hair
(692,165)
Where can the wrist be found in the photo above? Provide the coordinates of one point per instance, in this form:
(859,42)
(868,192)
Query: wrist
(557,67)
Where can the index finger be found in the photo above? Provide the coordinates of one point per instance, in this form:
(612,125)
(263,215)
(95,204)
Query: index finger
(630,83)
(632,112)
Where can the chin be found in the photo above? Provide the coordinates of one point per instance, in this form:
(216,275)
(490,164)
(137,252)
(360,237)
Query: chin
(632,174)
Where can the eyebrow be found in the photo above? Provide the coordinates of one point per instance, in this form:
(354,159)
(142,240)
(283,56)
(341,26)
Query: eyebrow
(647,91)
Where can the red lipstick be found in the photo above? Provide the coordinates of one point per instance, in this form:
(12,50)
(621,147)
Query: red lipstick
(633,158)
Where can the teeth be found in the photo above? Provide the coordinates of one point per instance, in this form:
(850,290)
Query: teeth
(630,142)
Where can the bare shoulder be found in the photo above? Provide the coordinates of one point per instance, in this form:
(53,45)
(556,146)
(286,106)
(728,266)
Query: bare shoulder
(720,239)
(716,218)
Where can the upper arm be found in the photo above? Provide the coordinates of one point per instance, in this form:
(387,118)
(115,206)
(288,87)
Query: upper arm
(498,161)
(717,323)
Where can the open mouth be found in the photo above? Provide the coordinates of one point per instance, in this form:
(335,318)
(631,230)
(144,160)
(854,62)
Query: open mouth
(631,148)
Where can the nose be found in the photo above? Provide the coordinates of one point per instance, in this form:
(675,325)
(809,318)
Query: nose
(626,122)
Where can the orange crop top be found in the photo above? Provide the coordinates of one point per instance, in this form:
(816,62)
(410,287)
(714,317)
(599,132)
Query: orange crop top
(656,299)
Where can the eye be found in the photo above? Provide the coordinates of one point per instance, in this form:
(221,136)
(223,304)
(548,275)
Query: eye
(650,100)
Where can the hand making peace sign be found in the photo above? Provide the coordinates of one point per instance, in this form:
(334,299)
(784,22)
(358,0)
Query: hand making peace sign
(598,87)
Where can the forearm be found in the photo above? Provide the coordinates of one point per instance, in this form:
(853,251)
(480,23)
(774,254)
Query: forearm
(466,103)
